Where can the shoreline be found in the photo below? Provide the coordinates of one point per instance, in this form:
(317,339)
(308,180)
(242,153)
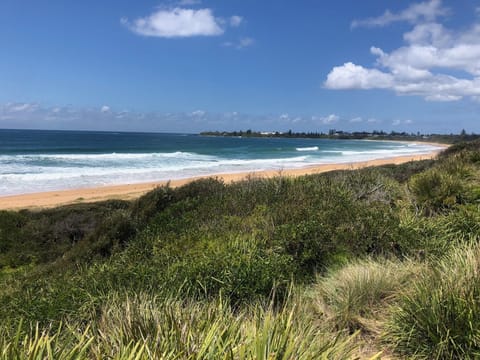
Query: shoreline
(50,199)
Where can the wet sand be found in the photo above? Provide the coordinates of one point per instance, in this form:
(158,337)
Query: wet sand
(132,191)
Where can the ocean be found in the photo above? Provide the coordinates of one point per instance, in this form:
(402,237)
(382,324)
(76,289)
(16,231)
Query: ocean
(36,160)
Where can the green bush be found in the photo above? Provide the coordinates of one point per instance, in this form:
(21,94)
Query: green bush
(241,269)
(46,236)
(436,190)
(151,203)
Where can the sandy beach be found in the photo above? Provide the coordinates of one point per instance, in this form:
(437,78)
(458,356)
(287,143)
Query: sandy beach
(132,191)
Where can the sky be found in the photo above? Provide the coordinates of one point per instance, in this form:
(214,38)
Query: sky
(198,65)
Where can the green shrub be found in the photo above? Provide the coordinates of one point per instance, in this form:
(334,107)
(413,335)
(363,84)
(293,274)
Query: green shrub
(435,190)
(241,269)
(151,203)
(202,188)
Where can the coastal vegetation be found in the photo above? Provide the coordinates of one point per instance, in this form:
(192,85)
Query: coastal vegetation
(355,135)
(370,263)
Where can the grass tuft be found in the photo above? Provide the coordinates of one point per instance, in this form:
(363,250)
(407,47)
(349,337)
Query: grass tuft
(356,296)
(439,318)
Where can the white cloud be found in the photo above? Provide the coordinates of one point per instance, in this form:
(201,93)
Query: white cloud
(432,46)
(351,76)
(436,63)
(424,11)
(105,109)
(235,20)
(21,107)
(177,22)
(284,117)
(398,122)
(240,44)
(329,119)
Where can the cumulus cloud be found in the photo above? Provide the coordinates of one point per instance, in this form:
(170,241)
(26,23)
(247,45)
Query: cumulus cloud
(428,65)
(176,22)
(424,11)
(351,76)
(105,109)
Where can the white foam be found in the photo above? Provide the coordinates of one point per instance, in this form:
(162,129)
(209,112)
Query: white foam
(311,148)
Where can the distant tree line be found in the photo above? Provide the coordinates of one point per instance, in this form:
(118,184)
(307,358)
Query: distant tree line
(346,135)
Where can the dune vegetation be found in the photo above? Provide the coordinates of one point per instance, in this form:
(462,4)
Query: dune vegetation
(374,263)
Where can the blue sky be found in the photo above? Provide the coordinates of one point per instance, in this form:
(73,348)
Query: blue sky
(191,65)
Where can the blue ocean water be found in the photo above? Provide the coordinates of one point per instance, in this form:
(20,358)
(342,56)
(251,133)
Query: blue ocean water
(35,160)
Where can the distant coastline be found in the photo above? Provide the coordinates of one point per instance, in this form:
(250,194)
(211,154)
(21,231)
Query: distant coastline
(355,135)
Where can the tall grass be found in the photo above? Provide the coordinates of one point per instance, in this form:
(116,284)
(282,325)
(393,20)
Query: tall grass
(37,344)
(439,317)
(145,327)
(356,296)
